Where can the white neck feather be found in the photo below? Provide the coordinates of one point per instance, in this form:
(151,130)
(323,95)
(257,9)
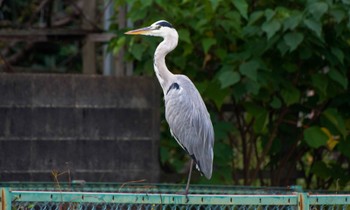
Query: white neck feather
(162,72)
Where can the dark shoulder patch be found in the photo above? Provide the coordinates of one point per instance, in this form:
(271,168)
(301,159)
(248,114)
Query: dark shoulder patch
(165,24)
(173,86)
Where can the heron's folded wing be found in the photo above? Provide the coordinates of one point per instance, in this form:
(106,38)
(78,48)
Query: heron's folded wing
(190,124)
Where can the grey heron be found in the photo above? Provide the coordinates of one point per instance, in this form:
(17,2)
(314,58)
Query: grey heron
(185,111)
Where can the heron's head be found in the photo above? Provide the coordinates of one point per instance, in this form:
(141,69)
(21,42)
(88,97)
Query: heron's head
(161,28)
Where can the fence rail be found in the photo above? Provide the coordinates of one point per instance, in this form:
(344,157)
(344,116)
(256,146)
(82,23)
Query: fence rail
(16,197)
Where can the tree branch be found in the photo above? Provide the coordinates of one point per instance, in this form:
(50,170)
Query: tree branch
(269,143)
(242,131)
(286,158)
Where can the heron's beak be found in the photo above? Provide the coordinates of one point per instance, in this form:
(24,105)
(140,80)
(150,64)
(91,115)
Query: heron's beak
(140,31)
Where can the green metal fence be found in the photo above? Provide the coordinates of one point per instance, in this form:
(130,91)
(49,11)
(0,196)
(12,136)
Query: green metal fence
(105,196)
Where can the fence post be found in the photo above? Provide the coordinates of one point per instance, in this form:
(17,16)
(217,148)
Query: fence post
(303,201)
(303,198)
(5,199)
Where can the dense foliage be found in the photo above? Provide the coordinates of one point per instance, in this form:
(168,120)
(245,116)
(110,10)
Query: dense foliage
(275,77)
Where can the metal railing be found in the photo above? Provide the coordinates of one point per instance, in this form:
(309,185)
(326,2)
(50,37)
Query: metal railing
(95,196)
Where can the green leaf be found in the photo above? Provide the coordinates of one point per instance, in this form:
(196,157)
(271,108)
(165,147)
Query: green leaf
(318,9)
(252,87)
(222,152)
(228,77)
(305,53)
(214,4)
(232,24)
(164,154)
(338,53)
(290,67)
(221,53)
(320,82)
(137,50)
(222,128)
(207,43)
(260,116)
(188,50)
(216,93)
(180,62)
(339,78)
(239,91)
(140,14)
(290,95)
(242,7)
(338,14)
(315,137)
(184,35)
(339,172)
(293,40)
(292,21)
(282,47)
(118,44)
(336,119)
(146,3)
(346,2)
(269,14)
(255,16)
(261,121)
(250,69)
(321,170)
(344,147)
(271,27)
(314,26)
(276,103)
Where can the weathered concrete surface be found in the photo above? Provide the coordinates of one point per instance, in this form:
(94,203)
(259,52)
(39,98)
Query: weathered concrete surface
(99,128)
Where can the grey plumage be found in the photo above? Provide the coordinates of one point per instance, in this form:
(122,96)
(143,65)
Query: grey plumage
(190,123)
(185,111)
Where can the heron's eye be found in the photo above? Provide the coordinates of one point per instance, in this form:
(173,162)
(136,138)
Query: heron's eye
(157,27)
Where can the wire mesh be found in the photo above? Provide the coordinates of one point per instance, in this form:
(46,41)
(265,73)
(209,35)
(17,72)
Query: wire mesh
(129,206)
(329,207)
(130,196)
(331,201)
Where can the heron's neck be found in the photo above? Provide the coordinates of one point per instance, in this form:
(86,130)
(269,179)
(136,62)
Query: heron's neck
(162,72)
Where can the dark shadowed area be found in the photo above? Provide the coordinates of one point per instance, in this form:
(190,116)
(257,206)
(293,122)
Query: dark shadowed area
(90,128)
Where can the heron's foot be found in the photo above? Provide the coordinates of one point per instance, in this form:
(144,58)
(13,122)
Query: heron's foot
(185,193)
(187,199)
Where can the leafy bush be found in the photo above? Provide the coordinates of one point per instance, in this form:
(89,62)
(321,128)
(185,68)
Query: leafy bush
(275,78)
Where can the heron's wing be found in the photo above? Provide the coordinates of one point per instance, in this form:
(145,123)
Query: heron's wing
(190,122)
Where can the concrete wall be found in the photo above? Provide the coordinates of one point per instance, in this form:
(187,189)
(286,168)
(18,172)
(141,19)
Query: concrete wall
(97,128)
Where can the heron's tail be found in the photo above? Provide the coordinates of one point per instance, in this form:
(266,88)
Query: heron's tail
(205,166)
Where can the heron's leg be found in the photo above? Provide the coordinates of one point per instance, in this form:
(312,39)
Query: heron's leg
(189,178)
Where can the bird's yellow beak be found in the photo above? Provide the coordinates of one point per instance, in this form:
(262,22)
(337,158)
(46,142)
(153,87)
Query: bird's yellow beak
(140,31)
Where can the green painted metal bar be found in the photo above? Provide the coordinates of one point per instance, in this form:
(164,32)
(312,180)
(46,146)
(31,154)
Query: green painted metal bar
(111,195)
(148,198)
(337,199)
(144,187)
